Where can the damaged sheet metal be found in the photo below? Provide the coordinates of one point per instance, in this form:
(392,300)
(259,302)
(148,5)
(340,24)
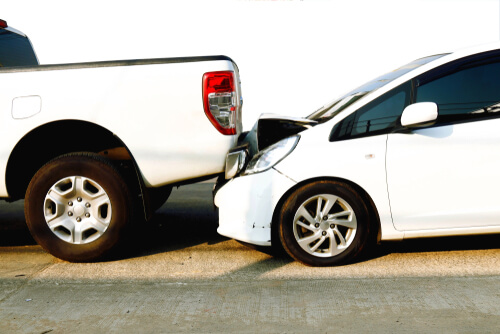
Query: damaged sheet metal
(271,128)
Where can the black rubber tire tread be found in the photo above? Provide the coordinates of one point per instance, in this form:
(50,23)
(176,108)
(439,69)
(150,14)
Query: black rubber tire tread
(303,193)
(107,176)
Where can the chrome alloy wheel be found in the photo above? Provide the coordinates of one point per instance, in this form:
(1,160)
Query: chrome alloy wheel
(324,225)
(77,210)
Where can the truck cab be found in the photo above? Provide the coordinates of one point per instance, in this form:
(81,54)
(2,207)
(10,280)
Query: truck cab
(16,48)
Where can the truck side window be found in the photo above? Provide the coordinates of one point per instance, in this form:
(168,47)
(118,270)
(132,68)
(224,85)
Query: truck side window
(467,94)
(377,117)
(15,50)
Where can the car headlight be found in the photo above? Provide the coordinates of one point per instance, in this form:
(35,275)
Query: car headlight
(271,155)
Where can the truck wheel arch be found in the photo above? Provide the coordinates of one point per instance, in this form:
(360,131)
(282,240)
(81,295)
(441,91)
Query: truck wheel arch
(51,140)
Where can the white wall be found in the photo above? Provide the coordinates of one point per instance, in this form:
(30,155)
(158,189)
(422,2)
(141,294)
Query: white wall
(293,56)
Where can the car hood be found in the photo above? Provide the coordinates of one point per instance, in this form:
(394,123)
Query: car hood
(271,128)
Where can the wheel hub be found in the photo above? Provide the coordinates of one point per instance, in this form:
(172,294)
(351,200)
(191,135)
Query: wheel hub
(77,210)
(324,226)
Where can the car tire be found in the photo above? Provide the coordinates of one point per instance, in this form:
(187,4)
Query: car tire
(324,223)
(78,207)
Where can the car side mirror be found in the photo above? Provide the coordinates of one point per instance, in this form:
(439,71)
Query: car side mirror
(419,115)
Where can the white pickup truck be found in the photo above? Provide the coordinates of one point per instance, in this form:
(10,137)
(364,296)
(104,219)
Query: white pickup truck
(93,148)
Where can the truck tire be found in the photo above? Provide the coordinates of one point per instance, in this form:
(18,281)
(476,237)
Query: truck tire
(78,207)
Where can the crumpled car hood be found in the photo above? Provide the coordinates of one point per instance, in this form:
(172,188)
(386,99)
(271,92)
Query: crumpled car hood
(271,128)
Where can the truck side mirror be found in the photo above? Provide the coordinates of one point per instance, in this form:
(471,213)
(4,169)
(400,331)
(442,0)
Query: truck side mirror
(419,115)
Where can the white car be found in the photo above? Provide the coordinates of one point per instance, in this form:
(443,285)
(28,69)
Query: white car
(414,153)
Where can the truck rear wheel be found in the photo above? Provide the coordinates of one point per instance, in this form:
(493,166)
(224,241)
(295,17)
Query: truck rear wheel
(78,206)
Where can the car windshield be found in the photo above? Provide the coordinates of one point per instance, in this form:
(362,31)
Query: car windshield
(331,109)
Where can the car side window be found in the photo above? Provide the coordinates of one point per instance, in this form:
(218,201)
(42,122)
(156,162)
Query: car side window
(15,50)
(377,117)
(466,94)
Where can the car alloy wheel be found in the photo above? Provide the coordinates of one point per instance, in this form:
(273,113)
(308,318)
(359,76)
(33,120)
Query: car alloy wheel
(324,223)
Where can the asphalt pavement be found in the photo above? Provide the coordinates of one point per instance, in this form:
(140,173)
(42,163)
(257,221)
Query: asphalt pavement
(179,276)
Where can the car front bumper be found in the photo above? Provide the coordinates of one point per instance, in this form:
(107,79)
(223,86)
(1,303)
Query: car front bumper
(246,205)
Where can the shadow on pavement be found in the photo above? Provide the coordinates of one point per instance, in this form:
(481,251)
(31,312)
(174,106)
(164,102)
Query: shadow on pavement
(441,244)
(471,242)
(13,229)
(189,218)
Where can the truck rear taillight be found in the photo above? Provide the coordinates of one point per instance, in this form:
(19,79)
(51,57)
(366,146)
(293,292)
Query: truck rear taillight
(3,24)
(219,100)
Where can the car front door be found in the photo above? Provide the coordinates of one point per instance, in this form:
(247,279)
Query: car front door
(447,175)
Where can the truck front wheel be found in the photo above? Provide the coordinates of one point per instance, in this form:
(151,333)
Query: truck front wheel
(78,206)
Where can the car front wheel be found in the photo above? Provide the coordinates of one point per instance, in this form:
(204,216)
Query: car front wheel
(324,223)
